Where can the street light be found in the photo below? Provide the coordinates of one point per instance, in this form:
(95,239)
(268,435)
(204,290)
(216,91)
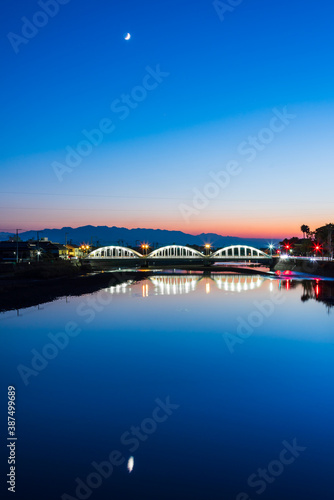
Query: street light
(17,245)
(207,248)
(84,248)
(145,247)
(38,251)
(317,248)
(271,247)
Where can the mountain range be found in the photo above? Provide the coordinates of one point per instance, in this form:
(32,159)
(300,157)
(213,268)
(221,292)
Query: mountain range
(104,235)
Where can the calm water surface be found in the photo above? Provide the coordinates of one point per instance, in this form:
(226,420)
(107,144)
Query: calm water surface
(205,381)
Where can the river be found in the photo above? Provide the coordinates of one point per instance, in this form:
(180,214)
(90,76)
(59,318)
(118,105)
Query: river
(218,387)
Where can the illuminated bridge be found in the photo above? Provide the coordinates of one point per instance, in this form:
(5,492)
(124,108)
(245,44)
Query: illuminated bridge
(118,256)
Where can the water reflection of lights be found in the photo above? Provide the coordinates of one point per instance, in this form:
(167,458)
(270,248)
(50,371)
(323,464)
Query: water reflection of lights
(317,288)
(120,288)
(178,285)
(130,464)
(238,283)
(174,285)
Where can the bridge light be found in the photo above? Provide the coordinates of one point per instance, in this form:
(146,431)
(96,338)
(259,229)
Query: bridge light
(207,247)
(145,246)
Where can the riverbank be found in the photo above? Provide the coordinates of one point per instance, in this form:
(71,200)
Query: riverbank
(323,268)
(41,270)
(18,293)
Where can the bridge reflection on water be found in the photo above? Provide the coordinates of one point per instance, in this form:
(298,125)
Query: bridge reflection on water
(183,284)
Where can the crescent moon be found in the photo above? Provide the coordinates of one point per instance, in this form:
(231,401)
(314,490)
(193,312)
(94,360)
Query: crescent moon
(127,36)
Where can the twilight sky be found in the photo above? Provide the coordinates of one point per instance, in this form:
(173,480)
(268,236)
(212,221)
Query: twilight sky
(211,118)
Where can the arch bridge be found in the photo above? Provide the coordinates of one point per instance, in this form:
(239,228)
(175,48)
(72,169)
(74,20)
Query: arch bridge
(114,252)
(175,251)
(174,254)
(239,252)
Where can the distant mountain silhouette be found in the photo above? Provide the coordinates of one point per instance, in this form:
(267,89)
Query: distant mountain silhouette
(104,235)
(5,236)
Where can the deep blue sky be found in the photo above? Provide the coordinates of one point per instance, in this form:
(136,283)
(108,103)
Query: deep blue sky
(225,77)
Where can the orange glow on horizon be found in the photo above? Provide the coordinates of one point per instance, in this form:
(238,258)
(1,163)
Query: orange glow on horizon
(285,228)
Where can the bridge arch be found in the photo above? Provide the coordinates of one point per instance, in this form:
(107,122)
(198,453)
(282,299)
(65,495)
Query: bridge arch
(114,252)
(175,251)
(240,252)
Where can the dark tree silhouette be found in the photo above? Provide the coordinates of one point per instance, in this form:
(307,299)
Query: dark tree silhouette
(305,230)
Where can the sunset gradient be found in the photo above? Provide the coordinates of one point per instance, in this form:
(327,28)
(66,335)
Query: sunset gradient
(195,124)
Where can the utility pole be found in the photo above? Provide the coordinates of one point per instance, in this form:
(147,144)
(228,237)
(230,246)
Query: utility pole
(66,244)
(330,229)
(17,245)
(37,246)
